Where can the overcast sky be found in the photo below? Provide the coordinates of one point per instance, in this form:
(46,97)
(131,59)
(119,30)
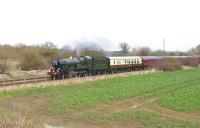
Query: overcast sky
(107,22)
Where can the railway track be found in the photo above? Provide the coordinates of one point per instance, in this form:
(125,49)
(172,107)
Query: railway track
(45,79)
(24,81)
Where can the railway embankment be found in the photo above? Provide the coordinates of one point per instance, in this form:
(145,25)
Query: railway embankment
(46,81)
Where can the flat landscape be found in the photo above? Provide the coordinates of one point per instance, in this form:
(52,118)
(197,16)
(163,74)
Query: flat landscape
(156,100)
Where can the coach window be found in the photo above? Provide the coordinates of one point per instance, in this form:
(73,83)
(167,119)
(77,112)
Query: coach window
(137,61)
(114,62)
(118,62)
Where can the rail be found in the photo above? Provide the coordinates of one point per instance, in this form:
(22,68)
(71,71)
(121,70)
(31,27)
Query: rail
(24,81)
(35,80)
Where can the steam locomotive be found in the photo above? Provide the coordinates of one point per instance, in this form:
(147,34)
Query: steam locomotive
(86,65)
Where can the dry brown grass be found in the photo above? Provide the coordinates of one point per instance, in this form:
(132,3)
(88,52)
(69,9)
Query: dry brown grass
(15,120)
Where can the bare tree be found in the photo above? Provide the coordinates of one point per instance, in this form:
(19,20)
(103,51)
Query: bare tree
(195,50)
(134,52)
(92,53)
(157,53)
(89,49)
(141,51)
(48,49)
(124,48)
(3,63)
(67,51)
(144,51)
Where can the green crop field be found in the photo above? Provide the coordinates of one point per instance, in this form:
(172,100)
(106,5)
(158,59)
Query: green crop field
(185,99)
(170,99)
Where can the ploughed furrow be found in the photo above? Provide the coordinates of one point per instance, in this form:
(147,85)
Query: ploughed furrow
(154,107)
(171,113)
(171,88)
(143,100)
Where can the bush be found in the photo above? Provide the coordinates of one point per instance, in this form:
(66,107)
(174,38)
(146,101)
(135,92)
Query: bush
(168,64)
(191,62)
(31,61)
(3,63)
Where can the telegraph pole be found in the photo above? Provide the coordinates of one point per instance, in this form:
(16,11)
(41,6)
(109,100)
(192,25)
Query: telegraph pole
(163,46)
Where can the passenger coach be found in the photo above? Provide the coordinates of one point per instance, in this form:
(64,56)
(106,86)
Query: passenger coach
(125,63)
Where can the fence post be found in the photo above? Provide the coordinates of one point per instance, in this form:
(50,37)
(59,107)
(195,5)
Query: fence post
(90,76)
(24,81)
(36,79)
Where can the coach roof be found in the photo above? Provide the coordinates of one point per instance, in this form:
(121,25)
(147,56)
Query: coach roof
(124,57)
